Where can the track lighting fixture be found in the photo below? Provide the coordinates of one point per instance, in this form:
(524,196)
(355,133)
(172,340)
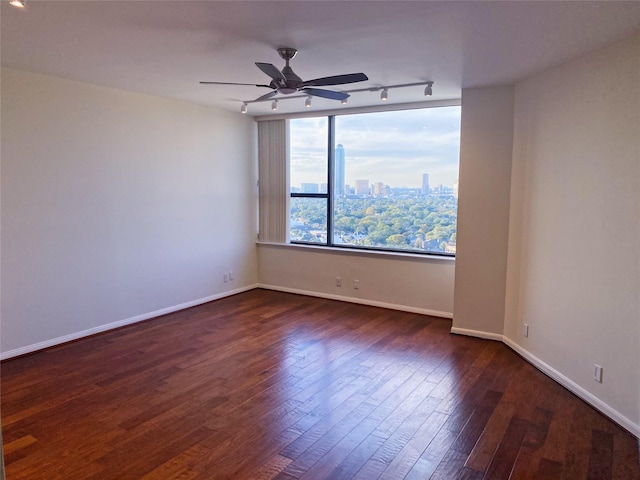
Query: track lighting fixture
(428,91)
(383,89)
(18,3)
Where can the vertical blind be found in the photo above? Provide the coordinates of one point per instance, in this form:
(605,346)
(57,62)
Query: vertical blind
(273,191)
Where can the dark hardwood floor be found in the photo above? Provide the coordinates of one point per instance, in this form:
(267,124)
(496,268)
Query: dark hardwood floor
(272,385)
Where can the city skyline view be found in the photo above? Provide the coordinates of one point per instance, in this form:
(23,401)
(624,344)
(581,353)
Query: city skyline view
(309,187)
(394,180)
(393,148)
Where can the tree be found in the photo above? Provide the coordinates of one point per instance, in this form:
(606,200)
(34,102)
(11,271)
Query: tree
(401,222)
(396,240)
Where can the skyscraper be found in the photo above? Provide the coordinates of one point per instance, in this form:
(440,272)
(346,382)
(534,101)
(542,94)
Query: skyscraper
(339,170)
(425,184)
(309,187)
(362,187)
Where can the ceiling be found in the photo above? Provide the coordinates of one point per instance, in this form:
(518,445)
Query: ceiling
(164,48)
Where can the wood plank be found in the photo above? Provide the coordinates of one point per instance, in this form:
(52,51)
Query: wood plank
(501,465)
(430,459)
(548,470)
(601,457)
(357,458)
(404,461)
(19,444)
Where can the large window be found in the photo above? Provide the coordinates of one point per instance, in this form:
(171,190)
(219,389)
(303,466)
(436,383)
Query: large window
(384,181)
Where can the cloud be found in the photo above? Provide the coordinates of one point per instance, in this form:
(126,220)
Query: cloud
(395,148)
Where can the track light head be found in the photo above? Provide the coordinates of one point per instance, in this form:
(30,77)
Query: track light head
(243,108)
(343,101)
(384,96)
(274,105)
(307,102)
(18,3)
(428,91)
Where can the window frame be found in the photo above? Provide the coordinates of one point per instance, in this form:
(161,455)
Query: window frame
(329,195)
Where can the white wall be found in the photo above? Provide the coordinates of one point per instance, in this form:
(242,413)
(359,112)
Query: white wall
(117,206)
(574,240)
(412,283)
(483,211)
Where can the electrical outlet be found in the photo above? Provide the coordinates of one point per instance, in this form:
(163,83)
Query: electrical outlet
(231,276)
(525,330)
(597,373)
(356,284)
(338,281)
(225,277)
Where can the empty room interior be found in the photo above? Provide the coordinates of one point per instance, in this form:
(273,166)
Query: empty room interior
(320,239)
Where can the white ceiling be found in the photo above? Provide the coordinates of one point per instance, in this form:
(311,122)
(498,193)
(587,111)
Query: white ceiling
(164,48)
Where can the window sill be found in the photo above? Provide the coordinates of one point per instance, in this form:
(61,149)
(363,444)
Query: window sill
(354,252)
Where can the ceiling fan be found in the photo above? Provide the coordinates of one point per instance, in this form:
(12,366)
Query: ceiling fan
(287,82)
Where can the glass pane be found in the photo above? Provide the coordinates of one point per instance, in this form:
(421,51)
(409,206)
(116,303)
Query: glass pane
(308,155)
(397,179)
(308,220)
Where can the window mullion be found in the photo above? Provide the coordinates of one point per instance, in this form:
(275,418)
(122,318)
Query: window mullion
(330,175)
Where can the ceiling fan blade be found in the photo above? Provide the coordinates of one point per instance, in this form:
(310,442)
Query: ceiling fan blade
(317,92)
(336,80)
(272,71)
(266,96)
(234,83)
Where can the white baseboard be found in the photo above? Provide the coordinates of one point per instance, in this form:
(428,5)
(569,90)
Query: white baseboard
(572,386)
(477,333)
(120,323)
(360,301)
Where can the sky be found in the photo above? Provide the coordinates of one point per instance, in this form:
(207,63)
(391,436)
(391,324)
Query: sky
(394,148)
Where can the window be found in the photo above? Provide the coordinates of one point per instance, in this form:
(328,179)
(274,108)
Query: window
(382,181)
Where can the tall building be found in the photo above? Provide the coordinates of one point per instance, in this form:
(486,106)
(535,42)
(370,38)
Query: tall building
(309,187)
(380,189)
(339,171)
(425,184)
(362,187)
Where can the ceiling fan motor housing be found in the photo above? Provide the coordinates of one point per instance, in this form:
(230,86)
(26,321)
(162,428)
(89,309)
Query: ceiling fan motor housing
(293,81)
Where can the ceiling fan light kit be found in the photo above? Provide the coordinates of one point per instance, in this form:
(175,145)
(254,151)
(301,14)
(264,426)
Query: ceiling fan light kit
(287,83)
